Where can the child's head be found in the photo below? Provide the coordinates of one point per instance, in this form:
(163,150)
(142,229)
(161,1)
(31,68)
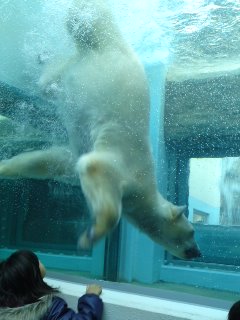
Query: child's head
(234,312)
(21,280)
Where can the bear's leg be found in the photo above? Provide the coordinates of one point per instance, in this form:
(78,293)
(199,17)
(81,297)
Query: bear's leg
(40,164)
(101,184)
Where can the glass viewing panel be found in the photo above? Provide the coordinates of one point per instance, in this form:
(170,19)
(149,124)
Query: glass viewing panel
(189,40)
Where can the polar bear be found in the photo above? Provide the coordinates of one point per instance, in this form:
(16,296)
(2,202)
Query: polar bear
(103,98)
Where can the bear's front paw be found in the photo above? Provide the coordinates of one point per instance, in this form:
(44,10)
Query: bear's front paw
(86,239)
(4,170)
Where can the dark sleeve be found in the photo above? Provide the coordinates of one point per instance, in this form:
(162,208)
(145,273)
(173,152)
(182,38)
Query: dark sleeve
(90,307)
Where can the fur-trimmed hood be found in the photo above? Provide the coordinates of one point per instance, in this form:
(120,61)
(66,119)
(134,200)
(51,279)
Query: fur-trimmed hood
(33,311)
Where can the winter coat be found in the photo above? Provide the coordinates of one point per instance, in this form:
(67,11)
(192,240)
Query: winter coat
(90,307)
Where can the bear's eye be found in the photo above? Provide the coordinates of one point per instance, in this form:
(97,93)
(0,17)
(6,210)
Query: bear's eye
(177,240)
(192,233)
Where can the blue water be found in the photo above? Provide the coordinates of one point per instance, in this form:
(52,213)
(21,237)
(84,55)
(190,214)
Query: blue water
(174,32)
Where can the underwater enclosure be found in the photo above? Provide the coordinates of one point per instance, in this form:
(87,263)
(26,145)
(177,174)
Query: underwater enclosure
(190,52)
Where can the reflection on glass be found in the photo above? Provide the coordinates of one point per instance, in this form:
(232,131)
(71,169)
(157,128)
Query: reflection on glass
(230,192)
(214,191)
(214,187)
(204,191)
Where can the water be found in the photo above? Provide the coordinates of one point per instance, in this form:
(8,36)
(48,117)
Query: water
(206,37)
(202,34)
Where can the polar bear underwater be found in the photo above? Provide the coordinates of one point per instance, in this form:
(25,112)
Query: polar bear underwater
(102,93)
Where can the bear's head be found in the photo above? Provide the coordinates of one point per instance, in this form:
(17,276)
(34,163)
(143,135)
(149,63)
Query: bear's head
(177,234)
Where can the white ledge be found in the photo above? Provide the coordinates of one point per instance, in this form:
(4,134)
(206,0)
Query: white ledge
(143,303)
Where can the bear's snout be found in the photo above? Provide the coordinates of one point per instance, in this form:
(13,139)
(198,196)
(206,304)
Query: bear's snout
(192,252)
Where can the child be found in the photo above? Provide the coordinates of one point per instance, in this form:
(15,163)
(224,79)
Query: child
(25,296)
(234,312)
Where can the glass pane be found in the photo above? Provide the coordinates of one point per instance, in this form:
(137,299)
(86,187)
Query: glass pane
(190,52)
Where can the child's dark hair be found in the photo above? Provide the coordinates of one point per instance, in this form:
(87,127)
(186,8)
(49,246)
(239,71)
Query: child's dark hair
(21,282)
(234,312)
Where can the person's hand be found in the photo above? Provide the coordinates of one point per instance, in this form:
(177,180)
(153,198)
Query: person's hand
(94,288)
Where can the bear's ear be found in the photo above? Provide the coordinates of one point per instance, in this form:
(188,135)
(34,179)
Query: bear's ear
(178,211)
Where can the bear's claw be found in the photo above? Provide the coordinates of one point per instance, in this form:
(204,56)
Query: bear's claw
(87,239)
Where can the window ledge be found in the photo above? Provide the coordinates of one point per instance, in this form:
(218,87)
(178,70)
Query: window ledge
(121,305)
